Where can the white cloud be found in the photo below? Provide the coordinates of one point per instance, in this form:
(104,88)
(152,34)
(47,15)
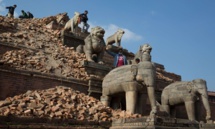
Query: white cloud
(129,36)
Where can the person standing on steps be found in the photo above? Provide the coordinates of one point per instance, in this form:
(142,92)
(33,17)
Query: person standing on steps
(84,19)
(119,58)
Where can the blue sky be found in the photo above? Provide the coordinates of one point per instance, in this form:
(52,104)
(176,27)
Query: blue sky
(181,32)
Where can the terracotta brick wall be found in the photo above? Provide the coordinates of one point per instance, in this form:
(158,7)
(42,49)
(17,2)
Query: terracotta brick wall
(14,82)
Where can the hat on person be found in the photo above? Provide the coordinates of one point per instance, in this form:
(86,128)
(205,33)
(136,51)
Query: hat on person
(86,11)
(14,5)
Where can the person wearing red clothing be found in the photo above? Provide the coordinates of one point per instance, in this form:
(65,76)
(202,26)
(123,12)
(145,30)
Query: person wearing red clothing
(119,59)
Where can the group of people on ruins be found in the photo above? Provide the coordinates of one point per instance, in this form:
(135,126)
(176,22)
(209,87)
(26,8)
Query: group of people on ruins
(26,15)
(119,58)
(11,10)
(83,18)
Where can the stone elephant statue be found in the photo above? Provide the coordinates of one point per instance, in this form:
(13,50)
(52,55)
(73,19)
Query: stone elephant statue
(186,92)
(131,80)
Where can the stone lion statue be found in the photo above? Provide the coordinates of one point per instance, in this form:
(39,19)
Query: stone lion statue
(73,23)
(115,38)
(95,44)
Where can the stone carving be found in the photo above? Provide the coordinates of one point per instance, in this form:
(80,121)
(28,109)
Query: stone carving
(115,38)
(73,23)
(95,44)
(186,92)
(131,79)
(144,49)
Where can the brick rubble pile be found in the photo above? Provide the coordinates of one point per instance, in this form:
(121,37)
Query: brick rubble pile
(64,62)
(60,103)
(44,50)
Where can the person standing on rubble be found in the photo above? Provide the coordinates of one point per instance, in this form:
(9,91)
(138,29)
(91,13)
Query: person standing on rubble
(84,19)
(11,11)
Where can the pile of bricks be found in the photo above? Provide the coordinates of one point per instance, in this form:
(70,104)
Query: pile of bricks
(64,62)
(33,33)
(60,103)
(44,50)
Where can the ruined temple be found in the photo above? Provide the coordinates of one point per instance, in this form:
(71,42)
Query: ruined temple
(37,59)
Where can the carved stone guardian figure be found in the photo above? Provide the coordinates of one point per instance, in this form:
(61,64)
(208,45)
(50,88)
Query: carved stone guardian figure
(186,92)
(95,44)
(73,23)
(132,79)
(115,38)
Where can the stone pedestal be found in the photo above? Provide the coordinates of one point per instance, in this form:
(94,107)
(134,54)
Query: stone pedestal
(206,125)
(73,40)
(154,123)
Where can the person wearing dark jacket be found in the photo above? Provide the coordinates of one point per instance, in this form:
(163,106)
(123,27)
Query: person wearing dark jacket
(84,19)
(24,14)
(30,15)
(11,11)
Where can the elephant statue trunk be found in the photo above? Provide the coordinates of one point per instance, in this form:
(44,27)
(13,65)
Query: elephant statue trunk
(207,107)
(202,90)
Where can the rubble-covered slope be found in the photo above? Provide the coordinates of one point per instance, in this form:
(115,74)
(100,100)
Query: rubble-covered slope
(42,47)
(43,50)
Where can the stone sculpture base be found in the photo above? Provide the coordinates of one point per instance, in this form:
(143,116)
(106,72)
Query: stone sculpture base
(158,123)
(97,73)
(206,126)
(73,40)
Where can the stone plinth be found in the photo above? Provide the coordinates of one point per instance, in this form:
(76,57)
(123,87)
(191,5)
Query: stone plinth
(206,126)
(13,122)
(154,123)
(97,73)
(73,40)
